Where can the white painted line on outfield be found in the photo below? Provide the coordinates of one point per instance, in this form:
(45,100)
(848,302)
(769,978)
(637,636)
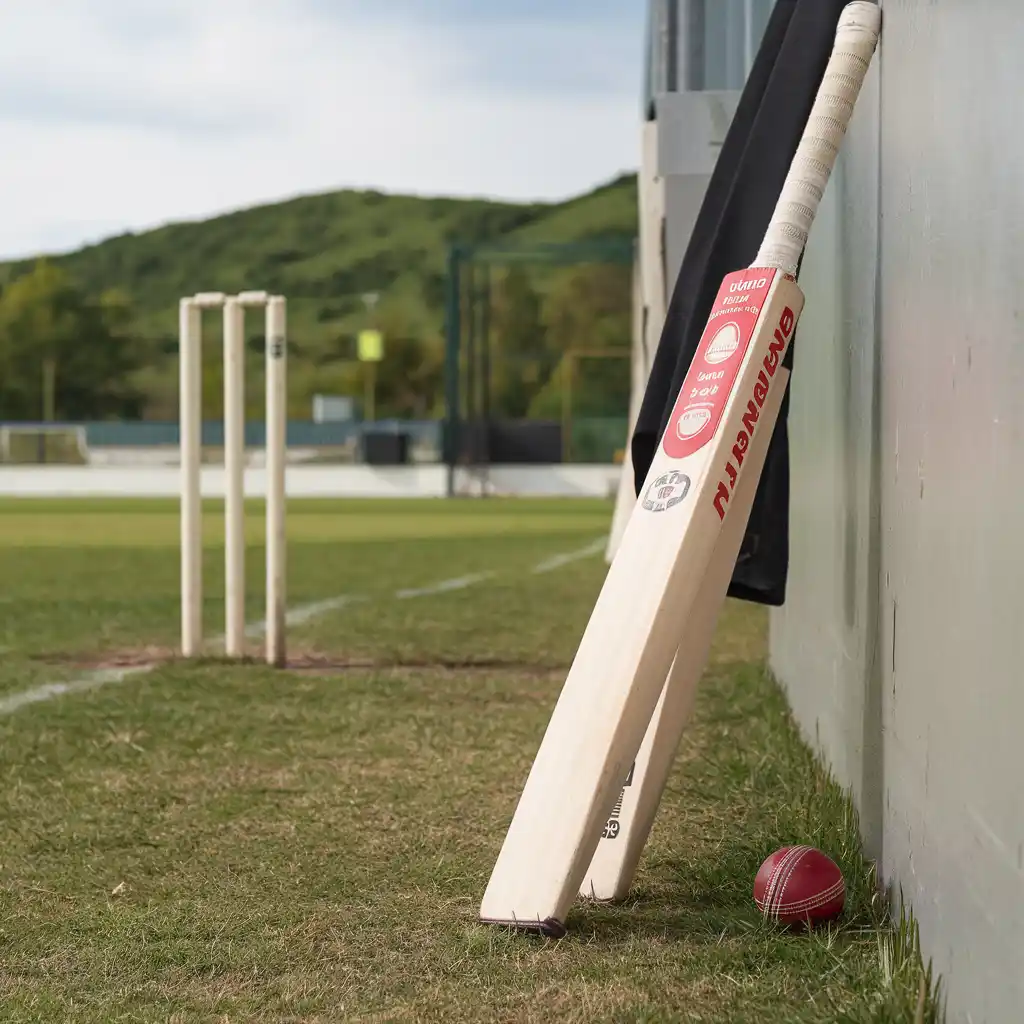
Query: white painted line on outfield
(90,681)
(557,561)
(105,676)
(458,583)
(305,613)
(296,617)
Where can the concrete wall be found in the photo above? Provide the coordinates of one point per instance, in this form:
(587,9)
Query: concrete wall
(824,641)
(902,640)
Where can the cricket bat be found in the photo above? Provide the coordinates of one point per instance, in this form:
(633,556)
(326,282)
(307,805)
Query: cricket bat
(729,399)
(625,833)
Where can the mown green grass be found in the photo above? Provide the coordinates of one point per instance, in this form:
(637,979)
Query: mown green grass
(215,842)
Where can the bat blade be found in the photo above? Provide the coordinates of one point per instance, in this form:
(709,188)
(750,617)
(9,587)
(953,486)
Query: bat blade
(596,730)
(611,872)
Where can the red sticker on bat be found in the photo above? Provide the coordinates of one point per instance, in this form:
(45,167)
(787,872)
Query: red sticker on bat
(712,373)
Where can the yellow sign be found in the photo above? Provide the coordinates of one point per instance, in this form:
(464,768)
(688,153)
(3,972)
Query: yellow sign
(371,346)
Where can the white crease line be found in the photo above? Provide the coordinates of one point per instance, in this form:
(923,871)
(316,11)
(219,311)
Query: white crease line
(90,681)
(557,561)
(458,583)
(304,613)
(307,612)
(296,617)
(104,676)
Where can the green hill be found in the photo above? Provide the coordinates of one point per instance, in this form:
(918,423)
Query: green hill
(324,253)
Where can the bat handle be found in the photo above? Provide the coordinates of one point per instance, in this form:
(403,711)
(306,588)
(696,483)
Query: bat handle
(856,38)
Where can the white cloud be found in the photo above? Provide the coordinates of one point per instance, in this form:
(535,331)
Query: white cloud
(118,114)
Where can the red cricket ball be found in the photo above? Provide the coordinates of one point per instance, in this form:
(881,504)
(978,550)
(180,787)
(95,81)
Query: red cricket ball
(799,884)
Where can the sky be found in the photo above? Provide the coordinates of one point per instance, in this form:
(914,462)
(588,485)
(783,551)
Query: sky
(120,115)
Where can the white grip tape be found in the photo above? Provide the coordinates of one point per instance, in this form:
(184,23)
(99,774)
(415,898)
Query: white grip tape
(856,38)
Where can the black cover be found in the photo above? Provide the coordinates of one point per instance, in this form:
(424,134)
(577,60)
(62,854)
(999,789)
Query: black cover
(741,196)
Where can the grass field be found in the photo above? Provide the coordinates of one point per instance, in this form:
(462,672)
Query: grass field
(216,842)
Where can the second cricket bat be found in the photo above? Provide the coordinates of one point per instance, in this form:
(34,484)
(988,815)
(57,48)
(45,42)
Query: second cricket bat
(625,833)
(730,397)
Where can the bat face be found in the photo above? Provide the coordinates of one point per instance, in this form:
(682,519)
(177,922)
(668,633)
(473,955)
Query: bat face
(649,592)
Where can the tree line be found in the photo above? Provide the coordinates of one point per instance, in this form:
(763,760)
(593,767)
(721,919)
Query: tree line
(73,355)
(53,335)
